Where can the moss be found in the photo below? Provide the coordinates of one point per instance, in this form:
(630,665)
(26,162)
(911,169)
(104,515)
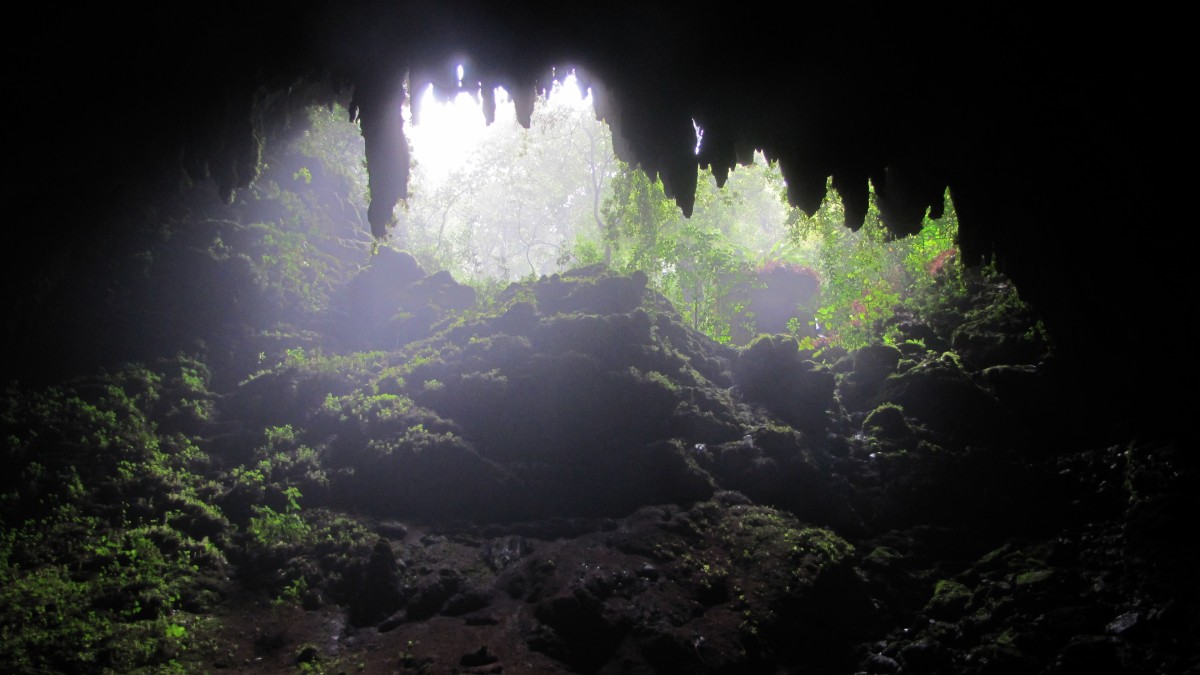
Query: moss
(950,600)
(939,394)
(1033,577)
(771,372)
(882,557)
(887,422)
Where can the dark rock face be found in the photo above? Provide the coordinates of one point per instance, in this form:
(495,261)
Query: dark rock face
(673,614)
(773,373)
(863,375)
(887,422)
(393,302)
(379,591)
(944,395)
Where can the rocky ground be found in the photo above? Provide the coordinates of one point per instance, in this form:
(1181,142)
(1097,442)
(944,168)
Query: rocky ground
(577,482)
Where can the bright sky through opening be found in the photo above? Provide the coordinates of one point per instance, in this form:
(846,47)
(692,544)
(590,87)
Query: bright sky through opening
(450,131)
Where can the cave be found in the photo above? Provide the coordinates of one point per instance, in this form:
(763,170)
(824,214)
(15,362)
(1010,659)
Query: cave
(1052,138)
(1054,135)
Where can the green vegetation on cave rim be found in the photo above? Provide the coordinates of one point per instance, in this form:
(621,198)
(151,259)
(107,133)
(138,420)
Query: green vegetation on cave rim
(526,203)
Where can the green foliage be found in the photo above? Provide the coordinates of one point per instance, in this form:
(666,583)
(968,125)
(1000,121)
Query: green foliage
(696,262)
(638,220)
(296,277)
(106,599)
(866,276)
(370,410)
(587,252)
(701,263)
(107,527)
(279,467)
(269,528)
(518,203)
(660,379)
(294,592)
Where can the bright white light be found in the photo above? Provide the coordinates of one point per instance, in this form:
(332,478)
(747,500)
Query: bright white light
(699,135)
(450,131)
(460,74)
(566,93)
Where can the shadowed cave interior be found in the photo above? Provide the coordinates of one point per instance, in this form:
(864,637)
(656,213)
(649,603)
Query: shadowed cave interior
(569,477)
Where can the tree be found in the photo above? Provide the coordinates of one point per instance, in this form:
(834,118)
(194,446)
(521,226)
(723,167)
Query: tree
(866,274)
(521,201)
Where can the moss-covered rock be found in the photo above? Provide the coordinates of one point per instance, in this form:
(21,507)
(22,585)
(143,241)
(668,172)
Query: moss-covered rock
(887,422)
(416,470)
(858,386)
(949,601)
(782,467)
(582,386)
(1033,396)
(943,396)
(392,302)
(589,290)
(772,373)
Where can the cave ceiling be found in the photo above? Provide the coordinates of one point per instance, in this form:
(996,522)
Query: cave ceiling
(1044,128)
(910,99)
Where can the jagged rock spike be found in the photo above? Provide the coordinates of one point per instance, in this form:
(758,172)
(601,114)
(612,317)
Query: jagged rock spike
(805,184)
(524,96)
(488,92)
(855,196)
(381,100)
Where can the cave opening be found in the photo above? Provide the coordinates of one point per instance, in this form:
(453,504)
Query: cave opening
(493,202)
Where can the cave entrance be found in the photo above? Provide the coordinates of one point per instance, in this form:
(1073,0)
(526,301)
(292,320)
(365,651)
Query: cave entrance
(496,203)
